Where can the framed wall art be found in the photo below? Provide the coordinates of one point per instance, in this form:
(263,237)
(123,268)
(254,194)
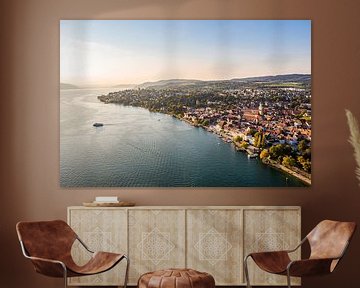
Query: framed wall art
(185,103)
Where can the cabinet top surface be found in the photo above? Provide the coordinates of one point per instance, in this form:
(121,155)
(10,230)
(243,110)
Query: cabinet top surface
(192,207)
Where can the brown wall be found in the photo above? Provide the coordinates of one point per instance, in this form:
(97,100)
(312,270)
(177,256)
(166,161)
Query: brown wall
(29,112)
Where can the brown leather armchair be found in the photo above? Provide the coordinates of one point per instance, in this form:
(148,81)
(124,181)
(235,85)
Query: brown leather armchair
(328,242)
(48,245)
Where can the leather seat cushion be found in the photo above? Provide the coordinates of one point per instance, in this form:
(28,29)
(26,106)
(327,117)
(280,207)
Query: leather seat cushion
(176,278)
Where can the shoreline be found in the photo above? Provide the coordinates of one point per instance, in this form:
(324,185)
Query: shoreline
(283,168)
(228,139)
(267,162)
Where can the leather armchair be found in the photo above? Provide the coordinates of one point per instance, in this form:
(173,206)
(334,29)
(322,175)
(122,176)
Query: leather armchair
(48,245)
(328,243)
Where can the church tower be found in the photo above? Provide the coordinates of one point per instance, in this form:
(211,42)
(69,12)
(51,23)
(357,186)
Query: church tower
(261,109)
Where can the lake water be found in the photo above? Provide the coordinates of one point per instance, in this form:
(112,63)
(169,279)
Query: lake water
(138,148)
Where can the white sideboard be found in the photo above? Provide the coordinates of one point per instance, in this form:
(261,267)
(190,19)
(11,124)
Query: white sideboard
(211,239)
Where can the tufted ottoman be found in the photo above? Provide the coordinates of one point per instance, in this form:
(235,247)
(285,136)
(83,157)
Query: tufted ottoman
(176,278)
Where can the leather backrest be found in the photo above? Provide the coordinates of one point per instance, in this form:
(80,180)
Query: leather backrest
(329,238)
(46,239)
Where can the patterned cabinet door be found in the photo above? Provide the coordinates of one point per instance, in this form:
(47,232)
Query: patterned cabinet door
(214,244)
(101,230)
(156,240)
(270,230)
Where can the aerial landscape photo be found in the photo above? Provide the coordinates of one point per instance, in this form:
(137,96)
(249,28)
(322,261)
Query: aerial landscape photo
(185,103)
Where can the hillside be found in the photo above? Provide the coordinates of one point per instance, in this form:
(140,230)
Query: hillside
(129,86)
(64,86)
(277,78)
(161,84)
(290,79)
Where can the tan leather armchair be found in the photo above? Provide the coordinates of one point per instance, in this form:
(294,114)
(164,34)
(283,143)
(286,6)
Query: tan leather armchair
(48,245)
(328,242)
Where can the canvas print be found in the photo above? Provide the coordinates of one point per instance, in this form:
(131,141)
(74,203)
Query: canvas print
(185,103)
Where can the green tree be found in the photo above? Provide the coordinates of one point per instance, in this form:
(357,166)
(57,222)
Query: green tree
(302,146)
(288,161)
(259,140)
(307,153)
(277,152)
(264,154)
(238,138)
(244,144)
(263,140)
(304,163)
(251,132)
(206,122)
(307,166)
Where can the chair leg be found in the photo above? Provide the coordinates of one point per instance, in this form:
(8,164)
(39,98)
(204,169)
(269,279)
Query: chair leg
(246,270)
(288,278)
(65,276)
(127,271)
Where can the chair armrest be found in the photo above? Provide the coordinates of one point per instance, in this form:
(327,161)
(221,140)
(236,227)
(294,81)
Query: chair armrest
(268,254)
(45,260)
(48,267)
(280,251)
(83,244)
(309,267)
(271,261)
(298,246)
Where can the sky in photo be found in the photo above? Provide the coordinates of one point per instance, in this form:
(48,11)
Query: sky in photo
(103,53)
